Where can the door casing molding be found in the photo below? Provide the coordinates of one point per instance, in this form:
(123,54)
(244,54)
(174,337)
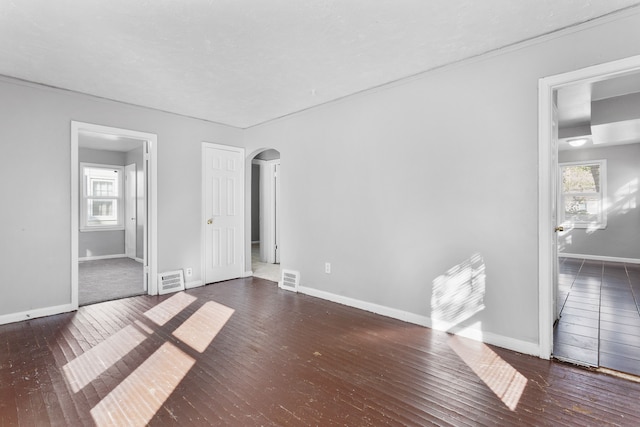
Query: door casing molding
(546,167)
(128,192)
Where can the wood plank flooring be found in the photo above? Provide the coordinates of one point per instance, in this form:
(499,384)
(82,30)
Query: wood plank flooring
(600,318)
(245,353)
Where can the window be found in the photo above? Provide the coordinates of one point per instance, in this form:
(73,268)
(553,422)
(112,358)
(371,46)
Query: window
(102,206)
(582,194)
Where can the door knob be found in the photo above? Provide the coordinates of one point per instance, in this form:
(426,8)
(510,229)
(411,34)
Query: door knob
(559,228)
(210,221)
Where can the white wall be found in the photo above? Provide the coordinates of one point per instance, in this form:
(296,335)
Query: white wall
(393,187)
(397,185)
(621,237)
(35,180)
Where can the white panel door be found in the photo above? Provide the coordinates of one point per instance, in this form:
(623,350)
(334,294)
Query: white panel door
(130,214)
(223,212)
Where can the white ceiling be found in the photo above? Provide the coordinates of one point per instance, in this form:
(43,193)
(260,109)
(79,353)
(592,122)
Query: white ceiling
(244,62)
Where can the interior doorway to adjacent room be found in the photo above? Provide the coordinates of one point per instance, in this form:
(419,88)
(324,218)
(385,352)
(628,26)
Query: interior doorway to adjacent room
(590,216)
(111,213)
(265,215)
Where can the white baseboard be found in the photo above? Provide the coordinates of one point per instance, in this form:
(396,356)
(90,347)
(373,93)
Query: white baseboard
(193,284)
(94,258)
(35,313)
(601,258)
(248,273)
(509,343)
(140,260)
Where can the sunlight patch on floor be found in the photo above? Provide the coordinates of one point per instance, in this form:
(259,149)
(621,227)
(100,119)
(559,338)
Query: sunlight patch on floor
(458,294)
(503,379)
(166,310)
(91,364)
(138,398)
(144,327)
(202,327)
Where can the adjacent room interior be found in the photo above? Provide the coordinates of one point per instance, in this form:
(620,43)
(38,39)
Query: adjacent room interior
(112,207)
(598,287)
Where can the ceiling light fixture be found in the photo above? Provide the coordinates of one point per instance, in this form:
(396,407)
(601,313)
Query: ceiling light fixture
(577,142)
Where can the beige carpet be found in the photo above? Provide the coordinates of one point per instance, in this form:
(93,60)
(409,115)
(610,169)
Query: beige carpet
(108,279)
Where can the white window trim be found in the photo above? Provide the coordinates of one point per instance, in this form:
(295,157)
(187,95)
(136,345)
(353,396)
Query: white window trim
(84,227)
(602,224)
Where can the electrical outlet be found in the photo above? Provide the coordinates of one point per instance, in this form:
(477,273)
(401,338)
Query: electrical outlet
(327,267)
(188,272)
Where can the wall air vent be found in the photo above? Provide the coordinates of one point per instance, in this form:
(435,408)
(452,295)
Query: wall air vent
(170,281)
(290,280)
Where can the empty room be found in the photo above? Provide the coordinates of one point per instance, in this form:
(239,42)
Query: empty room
(319,213)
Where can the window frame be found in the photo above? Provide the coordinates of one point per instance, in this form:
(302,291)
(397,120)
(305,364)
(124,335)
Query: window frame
(602,223)
(85,225)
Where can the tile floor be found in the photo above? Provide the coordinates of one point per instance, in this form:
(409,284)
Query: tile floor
(263,270)
(599,319)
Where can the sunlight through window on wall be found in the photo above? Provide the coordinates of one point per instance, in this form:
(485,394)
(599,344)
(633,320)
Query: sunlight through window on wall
(458,294)
(625,198)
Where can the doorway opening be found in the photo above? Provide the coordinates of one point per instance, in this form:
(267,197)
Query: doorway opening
(113,213)
(589,157)
(265,215)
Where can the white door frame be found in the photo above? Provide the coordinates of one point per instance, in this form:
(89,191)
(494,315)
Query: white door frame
(547,169)
(203,208)
(268,210)
(130,210)
(151,227)
(276,210)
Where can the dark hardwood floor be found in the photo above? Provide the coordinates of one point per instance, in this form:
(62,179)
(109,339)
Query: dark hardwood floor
(599,319)
(245,353)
